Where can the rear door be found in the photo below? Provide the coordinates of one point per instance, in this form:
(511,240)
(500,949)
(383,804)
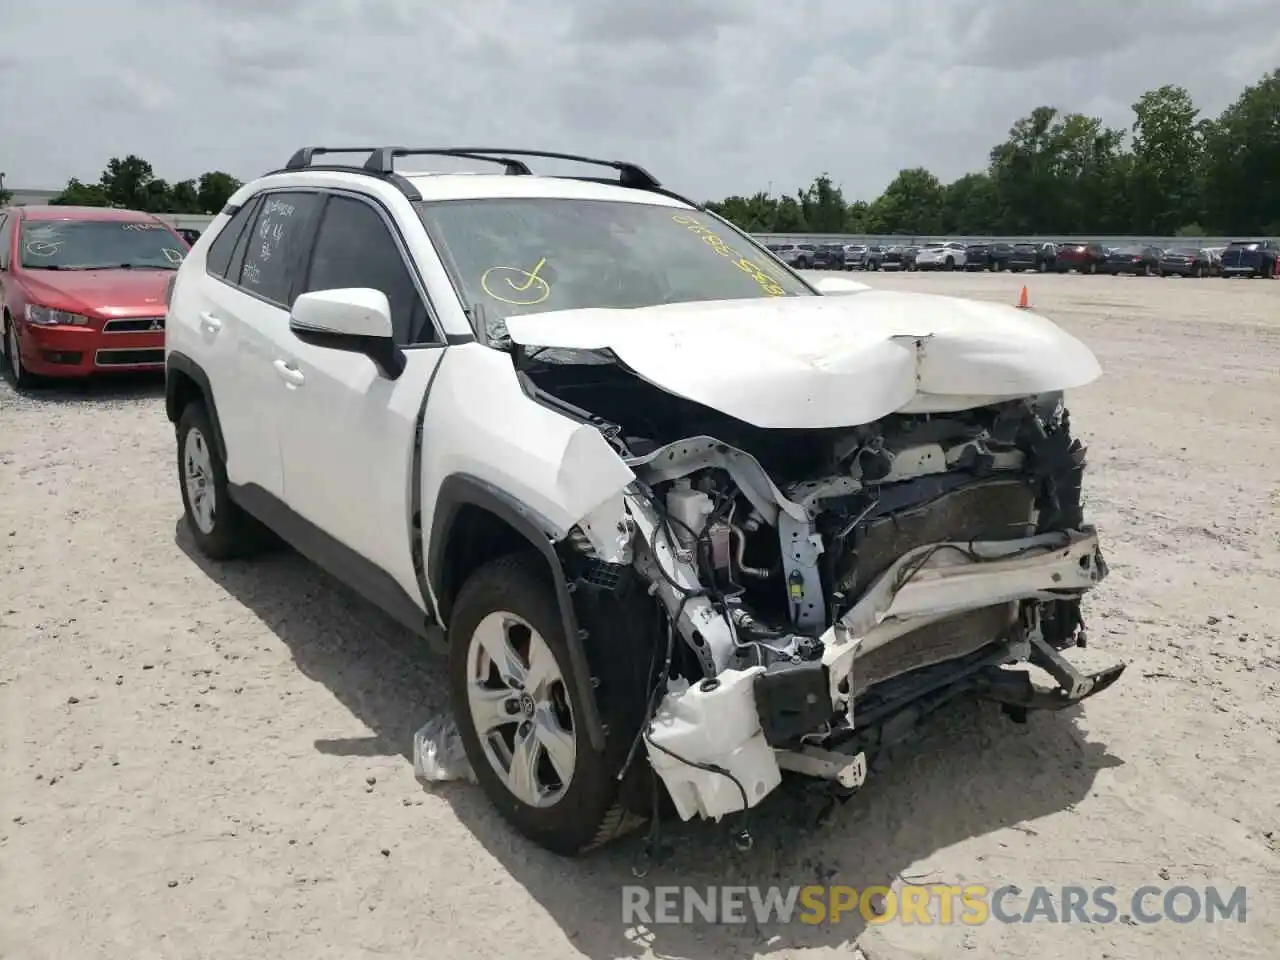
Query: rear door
(348,433)
(245,312)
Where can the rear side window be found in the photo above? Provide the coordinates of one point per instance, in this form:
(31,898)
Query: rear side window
(277,245)
(354,248)
(218,260)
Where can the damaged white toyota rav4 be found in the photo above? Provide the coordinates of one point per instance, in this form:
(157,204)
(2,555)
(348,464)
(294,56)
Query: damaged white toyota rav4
(684,520)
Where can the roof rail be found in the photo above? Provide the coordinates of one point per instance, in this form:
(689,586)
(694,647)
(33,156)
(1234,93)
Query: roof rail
(381,164)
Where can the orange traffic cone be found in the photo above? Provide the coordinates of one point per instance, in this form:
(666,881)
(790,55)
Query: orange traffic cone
(1022,300)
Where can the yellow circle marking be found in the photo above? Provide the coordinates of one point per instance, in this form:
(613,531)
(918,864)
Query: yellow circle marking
(522,288)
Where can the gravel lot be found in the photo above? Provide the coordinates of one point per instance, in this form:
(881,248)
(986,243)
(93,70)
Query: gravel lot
(214,762)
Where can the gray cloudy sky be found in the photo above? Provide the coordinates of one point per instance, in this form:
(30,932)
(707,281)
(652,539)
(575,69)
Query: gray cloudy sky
(713,97)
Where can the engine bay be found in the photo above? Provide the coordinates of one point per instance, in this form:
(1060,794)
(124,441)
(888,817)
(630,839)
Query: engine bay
(819,588)
(781,531)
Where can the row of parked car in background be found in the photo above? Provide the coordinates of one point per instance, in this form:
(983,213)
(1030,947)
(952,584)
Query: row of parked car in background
(1241,258)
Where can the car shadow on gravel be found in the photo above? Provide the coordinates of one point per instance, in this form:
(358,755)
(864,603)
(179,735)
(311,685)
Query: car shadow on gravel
(968,773)
(92,391)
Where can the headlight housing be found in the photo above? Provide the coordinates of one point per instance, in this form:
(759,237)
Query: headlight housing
(49,317)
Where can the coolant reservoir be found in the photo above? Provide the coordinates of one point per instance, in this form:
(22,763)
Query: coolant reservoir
(689,508)
(713,722)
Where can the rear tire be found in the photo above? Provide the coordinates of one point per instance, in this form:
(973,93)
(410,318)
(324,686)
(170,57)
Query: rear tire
(577,804)
(221,530)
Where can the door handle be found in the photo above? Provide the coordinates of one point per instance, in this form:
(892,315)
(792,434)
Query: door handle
(289,374)
(209,322)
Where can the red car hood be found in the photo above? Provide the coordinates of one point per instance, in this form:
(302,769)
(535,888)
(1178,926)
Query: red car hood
(99,293)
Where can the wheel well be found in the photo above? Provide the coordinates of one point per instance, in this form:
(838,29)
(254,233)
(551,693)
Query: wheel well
(475,537)
(180,390)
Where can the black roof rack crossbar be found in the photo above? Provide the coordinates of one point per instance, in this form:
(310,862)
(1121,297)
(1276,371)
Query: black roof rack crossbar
(630,174)
(382,159)
(303,157)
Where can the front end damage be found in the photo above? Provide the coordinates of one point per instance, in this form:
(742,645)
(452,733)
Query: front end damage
(825,589)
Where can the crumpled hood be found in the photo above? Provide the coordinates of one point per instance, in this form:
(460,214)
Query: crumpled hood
(814,362)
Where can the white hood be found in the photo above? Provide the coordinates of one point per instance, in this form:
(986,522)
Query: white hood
(811,362)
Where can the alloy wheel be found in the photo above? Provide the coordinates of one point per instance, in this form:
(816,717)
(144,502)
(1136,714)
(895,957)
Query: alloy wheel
(197,472)
(519,705)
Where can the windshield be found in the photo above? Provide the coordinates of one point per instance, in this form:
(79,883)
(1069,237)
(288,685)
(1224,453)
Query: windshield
(99,245)
(531,255)
(1185,252)
(1242,245)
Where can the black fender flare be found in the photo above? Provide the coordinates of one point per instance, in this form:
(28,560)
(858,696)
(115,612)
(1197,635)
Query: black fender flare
(461,489)
(181,363)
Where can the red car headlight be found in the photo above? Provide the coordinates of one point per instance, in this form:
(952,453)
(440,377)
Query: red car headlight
(49,317)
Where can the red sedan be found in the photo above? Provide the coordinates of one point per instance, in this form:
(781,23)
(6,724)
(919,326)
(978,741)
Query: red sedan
(83,290)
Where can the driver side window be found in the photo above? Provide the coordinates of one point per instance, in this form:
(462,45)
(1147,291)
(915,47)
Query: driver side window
(354,248)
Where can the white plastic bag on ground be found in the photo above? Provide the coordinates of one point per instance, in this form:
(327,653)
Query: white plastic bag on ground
(438,754)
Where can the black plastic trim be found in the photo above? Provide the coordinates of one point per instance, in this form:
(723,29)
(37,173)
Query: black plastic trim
(181,363)
(460,489)
(396,180)
(381,163)
(385,353)
(417,549)
(356,571)
(792,699)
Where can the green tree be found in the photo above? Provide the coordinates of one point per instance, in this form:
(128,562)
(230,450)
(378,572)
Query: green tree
(215,189)
(1089,175)
(969,206)
(1168,153)
(1242,162)
(127,183)
(823,206)
(913,203)
(77,194)
(184,197)
(789,217)
(754,214)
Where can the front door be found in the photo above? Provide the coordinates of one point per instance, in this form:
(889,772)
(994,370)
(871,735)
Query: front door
(347,434)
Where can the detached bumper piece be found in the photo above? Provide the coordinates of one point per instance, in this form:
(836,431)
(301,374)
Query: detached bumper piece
(1014,688)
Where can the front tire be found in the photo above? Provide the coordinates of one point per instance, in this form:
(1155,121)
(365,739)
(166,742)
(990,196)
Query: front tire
(221,530)
(18,374)
(519,717)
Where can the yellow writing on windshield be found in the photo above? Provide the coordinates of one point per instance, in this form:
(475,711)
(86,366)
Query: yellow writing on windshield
(522,288)
(752,269)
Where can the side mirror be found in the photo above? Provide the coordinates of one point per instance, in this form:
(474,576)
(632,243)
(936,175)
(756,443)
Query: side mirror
(834,286)
(356,319)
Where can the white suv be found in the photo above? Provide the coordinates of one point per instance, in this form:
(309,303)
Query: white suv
(686,521)
(948,255)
